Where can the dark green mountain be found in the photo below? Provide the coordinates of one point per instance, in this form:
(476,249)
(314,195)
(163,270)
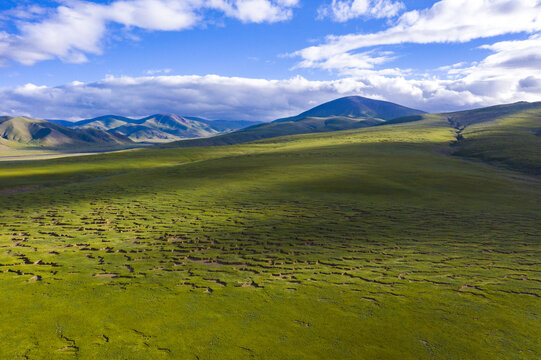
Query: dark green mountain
(356,107)
(350,112)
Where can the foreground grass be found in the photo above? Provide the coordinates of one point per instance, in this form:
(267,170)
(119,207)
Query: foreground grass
(365,244)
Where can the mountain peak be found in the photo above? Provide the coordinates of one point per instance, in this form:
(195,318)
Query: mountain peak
(357,107)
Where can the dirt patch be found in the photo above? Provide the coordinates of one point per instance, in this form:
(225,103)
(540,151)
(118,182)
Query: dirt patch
(106,275)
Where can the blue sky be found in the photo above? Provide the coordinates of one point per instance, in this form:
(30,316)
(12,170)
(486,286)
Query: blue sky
(262,59)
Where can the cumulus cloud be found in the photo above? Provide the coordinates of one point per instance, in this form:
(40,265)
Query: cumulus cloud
(256,10)
(445,21)
(219,97)
(512,69)
(344,10)
(350,64)
(510,72)
(77,28)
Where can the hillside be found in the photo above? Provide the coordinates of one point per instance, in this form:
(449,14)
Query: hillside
(504,135)
(24,132)
(158,127)
(370,243)
(351,112)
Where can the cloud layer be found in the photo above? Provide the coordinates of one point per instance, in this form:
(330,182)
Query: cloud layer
(77,28)
(509,72)
(445,21)
(218,97)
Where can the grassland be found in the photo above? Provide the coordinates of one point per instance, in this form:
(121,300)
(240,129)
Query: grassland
(512,141)
(364,244)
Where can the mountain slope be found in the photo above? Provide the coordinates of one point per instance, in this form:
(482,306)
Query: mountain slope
(226,125)
(276,129)
(341,114)
(506,135)
(356,107)
(158,127)
(26,132)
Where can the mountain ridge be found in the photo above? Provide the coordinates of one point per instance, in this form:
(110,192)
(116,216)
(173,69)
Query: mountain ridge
(159,127)
(23,131)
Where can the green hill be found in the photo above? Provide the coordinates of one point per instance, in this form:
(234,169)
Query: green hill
(370,243)
(504,135)
(275,129)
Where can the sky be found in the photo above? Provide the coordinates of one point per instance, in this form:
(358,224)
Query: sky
(263,59)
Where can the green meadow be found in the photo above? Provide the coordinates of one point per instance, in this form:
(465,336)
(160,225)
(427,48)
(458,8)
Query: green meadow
(389,242)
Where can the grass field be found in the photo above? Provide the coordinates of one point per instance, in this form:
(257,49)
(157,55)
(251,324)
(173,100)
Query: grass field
(362,244)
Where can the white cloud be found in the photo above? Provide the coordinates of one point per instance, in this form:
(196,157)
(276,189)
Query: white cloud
(445,21)
(511,71)
(344,10)
(349,64)
(257,11)
(216,97)
(77,28)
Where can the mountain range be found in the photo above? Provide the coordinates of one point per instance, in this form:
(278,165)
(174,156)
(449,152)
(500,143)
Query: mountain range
(158,127)
(114,130)
(18,132)
(508,135)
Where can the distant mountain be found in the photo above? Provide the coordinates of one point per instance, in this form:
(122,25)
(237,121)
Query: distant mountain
(24,132)
(356,107)
(226,125)
(350,112)
(158,127)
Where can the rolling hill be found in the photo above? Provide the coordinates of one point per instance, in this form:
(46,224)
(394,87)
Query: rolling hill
(504,135)
(371,243)
(350,112)
(158,127)
(24,132)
